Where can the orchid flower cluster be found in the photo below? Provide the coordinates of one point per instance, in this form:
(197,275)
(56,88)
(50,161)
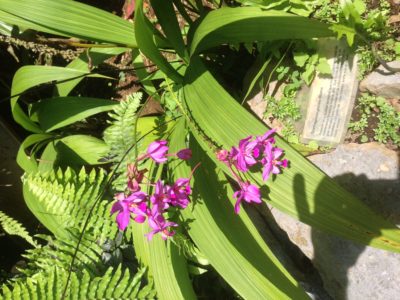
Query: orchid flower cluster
(140,206)
(252,152)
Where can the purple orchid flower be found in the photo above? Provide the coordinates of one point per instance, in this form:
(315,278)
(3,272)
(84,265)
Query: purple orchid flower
(142,211)
(158,223)
(127,205)
(157,151)
(178,195)
(137,197)
(271,161)
(184,154)
(245,156)
(249,193)
(160,196)
(264,140)
(124,208)
(135,177)
(223,155)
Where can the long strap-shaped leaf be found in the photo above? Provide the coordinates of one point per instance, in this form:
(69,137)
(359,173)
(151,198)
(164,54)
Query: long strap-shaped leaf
(68,18)
(302,191)
(166,265)
(30,76)
(58,112)
(166,16)
(96,56)
(231,242)
(145,39)
(249,24)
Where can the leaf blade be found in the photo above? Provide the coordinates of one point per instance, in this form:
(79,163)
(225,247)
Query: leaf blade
(250,268)
(242,24)
(68,18)
(303,188)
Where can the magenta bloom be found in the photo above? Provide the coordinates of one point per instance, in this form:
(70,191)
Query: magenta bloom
(157,151)
(266,138)
(141,211)
(127,205)
(244,156)
(271,161)
(158,223)
(223,155)
(249,193)
(135,177)
(184,154)
(160,196)
(178,195)
(137,197)
(123,206)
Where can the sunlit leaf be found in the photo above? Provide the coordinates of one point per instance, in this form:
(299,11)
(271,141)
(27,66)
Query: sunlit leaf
(84,62)
(145,40)
(249,24)
(231,242)
(302,191)
(68,18)
(31,76)
(58,112)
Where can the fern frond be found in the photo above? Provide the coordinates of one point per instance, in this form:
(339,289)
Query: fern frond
(62,200)
(59,253)
(113,284)
(13,227)
(120,135)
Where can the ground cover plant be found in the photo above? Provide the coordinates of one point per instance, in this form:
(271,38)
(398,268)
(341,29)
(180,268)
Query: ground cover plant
(164,196)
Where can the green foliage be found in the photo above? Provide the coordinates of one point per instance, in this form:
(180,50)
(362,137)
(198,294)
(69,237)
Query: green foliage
(62,200)
(387,118)
(67,18)
(13,227)
(284,109)
(298,7)
(49,284)
(122,134)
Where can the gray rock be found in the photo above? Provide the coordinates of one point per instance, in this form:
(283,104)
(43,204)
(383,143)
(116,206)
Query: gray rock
(348,270)
(382,82)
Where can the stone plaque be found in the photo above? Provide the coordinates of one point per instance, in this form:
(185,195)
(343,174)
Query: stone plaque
(328,103)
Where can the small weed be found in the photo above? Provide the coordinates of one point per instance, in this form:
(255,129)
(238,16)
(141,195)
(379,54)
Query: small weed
(387,128)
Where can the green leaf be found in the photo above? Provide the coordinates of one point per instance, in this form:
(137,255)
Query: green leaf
(323,66)
(68,18)
(80,149)
(300,58)
(62,200)
(258,75)
(231,242)
(55,113)
(344,30)
(302,191)
(249,24)
(167,266)
(30,76)
(28,162)
(13,227)
(169,270)
(166,16)
(309,74)
(145,40)
(48,160)
(97,55)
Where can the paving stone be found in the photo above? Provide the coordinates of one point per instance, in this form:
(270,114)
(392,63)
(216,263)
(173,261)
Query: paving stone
(382,82)
(348,270)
